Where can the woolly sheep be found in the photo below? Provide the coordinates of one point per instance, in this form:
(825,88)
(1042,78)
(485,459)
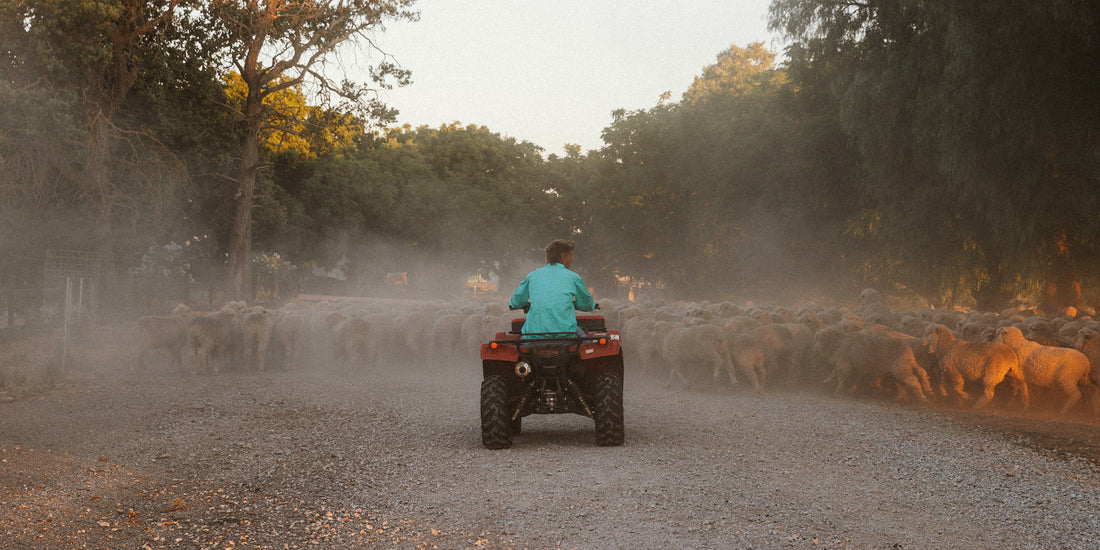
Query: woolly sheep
(353,342)
(921,352)
(785,347)
(288,335)
(1088,343)
(986,362)
(415,332)
(210,337)
(447,331)
(258,323)
(1048,366)
(912,325)
(692,351)
(161,332)
(747,357)
(872,356)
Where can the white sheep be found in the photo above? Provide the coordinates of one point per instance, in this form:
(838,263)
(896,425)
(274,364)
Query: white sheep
(168,333)
(288,336)
(988,363)
(1051,367)
(353,342)
(258,323)
(1088,343)
(870,356)
(210,337)
(693,351)
(747,358)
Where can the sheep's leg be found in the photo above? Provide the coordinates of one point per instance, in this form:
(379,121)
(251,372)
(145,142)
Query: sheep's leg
(288,355)
(1090,393)
(250,353)
(909,381)
(217,357)
(955,380)
(840,380)
(1020,392)
(750,372)
(987,395)
(922,377)
(177,361)
(716,373)
(261,352)
(733,379)
(1074,396)
(674,372)
(196,361)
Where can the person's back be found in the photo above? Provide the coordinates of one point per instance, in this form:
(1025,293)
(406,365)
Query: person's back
(554,293)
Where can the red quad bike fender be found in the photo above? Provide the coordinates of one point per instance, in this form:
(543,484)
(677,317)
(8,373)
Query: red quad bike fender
(608,345)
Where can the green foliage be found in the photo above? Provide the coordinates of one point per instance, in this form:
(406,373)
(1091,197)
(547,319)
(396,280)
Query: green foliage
(976,127)
(464,196)
(943,150)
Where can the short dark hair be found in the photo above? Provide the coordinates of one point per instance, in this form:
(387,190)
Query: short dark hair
(556,248)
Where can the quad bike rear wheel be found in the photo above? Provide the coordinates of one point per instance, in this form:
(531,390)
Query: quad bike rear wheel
(608,410)
(496,423)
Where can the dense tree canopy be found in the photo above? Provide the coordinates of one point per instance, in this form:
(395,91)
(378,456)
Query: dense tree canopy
(943,151)
(976,128)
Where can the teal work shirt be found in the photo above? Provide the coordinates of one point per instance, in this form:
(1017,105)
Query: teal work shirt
(555,293)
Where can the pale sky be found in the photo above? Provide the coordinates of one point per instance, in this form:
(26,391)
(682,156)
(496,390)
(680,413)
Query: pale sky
(551,72)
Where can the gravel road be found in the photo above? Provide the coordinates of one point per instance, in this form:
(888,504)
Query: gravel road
(392,459)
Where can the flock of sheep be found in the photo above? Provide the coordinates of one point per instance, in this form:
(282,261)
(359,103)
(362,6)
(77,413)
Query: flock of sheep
(346,334)
(929,355)
(962,359)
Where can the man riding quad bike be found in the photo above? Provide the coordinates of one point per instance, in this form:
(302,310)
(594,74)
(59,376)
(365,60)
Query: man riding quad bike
(552,373)
(552,361)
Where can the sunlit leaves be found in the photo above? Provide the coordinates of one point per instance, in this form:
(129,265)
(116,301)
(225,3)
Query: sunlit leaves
(737,72)
(285,111)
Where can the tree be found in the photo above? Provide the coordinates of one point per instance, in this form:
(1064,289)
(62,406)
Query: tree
(720,192)
(275,45)
(92,52)
(975,149)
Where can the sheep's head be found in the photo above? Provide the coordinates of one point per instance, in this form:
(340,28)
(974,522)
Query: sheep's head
(1085,336)
(826,340)
(810,319)
(988,335)
(870,296)
(1011,336)
(851,322)
(934,336)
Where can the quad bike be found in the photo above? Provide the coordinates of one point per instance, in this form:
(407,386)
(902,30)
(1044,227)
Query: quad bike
(552,373)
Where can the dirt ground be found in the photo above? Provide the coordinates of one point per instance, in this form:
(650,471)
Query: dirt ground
(95,456)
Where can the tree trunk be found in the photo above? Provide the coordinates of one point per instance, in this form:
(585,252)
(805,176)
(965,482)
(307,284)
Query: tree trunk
(239,276)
